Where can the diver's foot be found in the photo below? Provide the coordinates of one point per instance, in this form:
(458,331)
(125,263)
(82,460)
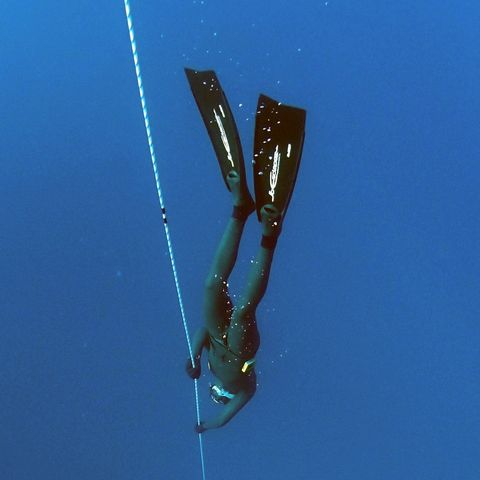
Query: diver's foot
(271,221)
(243,203)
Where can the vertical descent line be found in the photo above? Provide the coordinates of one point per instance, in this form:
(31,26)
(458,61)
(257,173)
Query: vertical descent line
(153,158)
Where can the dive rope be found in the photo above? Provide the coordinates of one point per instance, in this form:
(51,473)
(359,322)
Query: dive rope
(164,212)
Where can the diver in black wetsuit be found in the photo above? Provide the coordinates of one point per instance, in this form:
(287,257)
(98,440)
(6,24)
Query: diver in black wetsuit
(230,333)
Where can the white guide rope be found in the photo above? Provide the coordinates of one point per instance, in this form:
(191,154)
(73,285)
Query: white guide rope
(164,213)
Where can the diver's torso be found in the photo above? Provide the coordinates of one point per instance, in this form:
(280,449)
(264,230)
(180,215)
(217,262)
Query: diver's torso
(227,367)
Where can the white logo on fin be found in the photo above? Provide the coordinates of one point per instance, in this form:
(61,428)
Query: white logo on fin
(277,156)
(223,134)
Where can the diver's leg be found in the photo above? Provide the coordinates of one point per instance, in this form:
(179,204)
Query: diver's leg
(260,270)
(257,279)
(217,302)
(243,335)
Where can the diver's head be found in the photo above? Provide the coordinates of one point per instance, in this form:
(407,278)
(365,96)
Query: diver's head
(220,395)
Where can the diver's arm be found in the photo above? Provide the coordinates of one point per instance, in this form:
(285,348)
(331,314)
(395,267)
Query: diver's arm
(199,340)
(230,410)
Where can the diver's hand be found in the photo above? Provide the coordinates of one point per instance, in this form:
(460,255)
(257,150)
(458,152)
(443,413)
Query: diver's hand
(194,372)
(200,428)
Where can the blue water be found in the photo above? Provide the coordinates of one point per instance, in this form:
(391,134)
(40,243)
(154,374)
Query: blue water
(369,362)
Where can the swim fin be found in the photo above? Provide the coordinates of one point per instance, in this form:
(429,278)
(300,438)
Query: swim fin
(279,135)
(218,119)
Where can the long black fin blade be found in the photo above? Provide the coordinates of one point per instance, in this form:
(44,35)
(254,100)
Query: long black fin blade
(218,119)
(278,145)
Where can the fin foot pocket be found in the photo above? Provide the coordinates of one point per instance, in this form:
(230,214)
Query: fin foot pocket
(241,196)
(271,219)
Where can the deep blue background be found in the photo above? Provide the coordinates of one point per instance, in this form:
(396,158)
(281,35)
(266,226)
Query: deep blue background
(369,367)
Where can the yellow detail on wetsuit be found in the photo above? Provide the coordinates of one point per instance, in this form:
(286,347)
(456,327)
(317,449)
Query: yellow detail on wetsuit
(248,365)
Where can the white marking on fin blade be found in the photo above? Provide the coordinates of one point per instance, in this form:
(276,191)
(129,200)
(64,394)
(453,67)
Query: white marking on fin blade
(289,150)
(277,156)
(223,134)
(221,109)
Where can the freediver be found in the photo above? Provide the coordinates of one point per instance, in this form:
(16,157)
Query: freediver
(230,333)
